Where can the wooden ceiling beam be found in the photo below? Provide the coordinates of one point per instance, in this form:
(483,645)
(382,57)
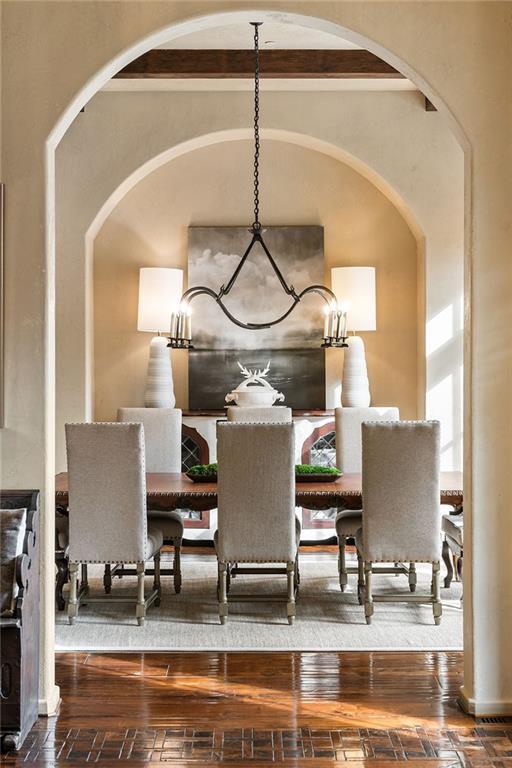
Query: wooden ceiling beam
(165,63)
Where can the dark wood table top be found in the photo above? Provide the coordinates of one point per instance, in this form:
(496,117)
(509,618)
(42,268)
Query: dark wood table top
(176,490)
(300,412)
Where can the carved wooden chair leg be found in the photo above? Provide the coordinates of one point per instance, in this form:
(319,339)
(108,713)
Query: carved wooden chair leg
(107,579)
(368,597)
(290,606)
(458,565)
(177,567)
(413,578)
(223,595)
(61,579)
(360,579)
(437,606)
(73,593)
(342,565)
(447,560)
(140,610)
(297,573)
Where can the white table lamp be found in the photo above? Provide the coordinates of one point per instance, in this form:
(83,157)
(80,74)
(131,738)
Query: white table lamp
(355,292)
(160,291)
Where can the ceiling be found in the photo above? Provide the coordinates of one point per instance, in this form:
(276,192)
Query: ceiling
(273,35)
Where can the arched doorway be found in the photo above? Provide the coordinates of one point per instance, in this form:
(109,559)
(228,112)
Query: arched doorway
(175,30)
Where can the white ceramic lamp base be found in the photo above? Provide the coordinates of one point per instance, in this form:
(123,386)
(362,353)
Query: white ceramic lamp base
(355,389)
(159,385)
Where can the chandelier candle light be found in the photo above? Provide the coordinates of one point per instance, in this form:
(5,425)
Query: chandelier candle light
(335,327)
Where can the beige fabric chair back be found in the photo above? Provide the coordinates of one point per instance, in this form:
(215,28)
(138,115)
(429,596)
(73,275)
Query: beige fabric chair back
(401,513)
(275,414)
(107,493)
(256,492)
(162,436)
(348,433)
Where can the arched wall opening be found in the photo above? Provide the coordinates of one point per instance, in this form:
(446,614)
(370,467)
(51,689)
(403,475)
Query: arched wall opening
(167,31)
(426,187)
(208,185)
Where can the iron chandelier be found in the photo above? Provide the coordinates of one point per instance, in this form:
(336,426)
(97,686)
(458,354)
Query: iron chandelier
(335,327)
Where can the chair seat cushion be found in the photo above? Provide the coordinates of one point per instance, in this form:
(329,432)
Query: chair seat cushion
(170,523)
(348,522)
(155,540)
(453,526)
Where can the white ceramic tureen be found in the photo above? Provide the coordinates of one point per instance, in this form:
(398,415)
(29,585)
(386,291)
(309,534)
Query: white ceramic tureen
(254,390)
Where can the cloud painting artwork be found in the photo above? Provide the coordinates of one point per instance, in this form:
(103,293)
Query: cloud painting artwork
(257,296)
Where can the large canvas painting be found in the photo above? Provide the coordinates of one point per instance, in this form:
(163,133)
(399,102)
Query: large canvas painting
(297,366)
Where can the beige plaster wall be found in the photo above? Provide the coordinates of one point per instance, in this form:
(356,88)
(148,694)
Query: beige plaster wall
(56,54)
(212,186)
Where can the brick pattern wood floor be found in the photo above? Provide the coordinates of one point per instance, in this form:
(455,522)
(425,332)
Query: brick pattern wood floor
(259,709)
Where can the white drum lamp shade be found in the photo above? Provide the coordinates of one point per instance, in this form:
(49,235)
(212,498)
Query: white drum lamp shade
(160,291)
(354,288)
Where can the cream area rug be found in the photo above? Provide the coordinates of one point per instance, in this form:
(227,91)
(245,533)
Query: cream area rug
(327,619)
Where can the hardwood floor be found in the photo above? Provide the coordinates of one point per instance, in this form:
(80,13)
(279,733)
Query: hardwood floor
(307,709)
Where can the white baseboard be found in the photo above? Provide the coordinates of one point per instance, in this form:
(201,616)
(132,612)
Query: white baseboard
(484,708)
(50,705)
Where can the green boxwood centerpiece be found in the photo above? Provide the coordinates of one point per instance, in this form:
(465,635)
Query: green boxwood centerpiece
(203,469)
(315,469)
(210,470)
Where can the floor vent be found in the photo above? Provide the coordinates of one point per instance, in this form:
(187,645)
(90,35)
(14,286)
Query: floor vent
(493,720)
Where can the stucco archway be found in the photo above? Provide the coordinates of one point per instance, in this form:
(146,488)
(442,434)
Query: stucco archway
(49,693)
(70,350)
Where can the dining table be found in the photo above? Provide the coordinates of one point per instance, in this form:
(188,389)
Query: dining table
(171,491)
(175,490)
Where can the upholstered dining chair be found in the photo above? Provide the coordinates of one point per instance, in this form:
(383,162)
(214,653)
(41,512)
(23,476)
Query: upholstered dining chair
(107,509)
(162,438)
(274,414)
(256,508)
(401,513)
(349,459)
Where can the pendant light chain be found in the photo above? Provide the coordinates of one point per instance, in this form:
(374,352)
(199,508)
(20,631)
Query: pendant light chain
(335,325)
(256,224)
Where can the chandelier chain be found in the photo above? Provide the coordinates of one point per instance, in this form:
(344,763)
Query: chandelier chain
(180,336)
(256,224)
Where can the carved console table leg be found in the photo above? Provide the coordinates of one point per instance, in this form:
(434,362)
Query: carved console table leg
(9,742)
